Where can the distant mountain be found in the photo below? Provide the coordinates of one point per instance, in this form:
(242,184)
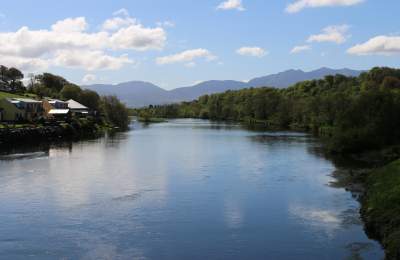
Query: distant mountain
(291,77)
(139,93)
(134,93)
(206,87)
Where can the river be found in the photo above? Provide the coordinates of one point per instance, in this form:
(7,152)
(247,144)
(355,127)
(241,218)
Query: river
(185,189)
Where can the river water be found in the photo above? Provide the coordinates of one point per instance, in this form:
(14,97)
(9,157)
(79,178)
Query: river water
(185,189)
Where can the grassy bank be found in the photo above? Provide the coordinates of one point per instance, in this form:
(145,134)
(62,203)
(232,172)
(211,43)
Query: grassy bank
(381,207)
(10,95)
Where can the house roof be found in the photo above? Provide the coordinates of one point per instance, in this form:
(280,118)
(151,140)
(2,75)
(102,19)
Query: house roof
(72,104)
(59,111)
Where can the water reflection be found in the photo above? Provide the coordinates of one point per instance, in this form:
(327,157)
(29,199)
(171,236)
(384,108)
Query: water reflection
(26,155)
(327,220)
(234,215)
(177,190)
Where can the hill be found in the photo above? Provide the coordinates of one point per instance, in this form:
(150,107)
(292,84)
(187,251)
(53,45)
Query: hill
(140,93)
(134,93)
(291,77)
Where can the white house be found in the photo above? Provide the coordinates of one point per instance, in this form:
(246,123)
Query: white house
(77,108)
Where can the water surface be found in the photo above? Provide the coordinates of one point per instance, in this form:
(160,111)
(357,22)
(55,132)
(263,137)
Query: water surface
(186,189)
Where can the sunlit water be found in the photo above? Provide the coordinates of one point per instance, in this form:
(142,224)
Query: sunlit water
(186,189)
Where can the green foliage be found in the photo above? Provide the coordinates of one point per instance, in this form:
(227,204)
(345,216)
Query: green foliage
(54,82)
(115,112)
(86,97)
(11,80)
(352,114)
(70,91)
(48,85)
(90,99)
(381,208)
(9,95)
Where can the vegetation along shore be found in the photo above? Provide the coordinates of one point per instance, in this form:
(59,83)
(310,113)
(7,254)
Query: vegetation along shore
(355,117)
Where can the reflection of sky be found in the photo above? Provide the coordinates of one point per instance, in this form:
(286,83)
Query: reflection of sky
(233,213)
(327,221)
(177,190)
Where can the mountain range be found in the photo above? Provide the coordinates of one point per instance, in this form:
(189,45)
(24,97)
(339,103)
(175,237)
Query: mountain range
(140,93)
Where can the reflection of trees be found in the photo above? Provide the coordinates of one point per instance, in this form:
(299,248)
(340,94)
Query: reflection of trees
(35,147)
(113,139)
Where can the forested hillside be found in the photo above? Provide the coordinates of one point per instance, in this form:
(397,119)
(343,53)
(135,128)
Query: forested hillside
(354,113)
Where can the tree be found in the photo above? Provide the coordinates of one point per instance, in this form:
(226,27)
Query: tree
(115,112)
(49,85)
(391,82)
(10,79)
(4,76)
(90,99)
(70,91)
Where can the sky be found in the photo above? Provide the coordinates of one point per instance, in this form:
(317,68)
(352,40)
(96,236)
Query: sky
(179,43)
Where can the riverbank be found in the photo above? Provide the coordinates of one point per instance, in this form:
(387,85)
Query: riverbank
(381,207)
(152,120)
(31,133)
(374,179)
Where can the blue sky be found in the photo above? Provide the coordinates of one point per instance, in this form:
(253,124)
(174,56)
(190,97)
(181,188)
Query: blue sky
(179,42)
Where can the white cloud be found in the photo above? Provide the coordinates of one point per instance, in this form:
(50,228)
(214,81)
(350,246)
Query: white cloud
(35,43)
(252,51)
(25,64)
(301,48)
(69,44)
(90,60)
(137,37)
(186,57)
(299,5)
(131,34)
(70,25)
(335,33)
(231,5)
(380,45)
(117,22)
(89,78)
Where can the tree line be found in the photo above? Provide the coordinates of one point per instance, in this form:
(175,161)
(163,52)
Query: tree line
(48,85)
(352,113)
(11,79)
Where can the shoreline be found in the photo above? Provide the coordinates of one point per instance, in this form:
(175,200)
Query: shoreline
(34,134)
(372,177)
